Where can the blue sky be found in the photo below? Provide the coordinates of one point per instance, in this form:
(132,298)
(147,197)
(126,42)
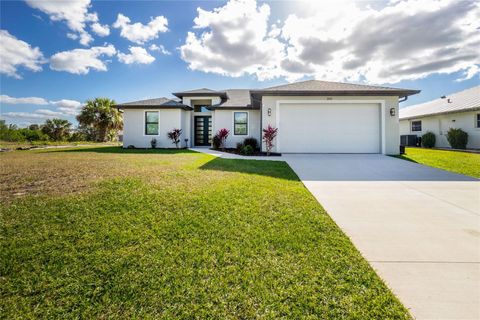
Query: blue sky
(268,43)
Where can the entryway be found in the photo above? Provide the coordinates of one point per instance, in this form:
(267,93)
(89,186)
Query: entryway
(203,130)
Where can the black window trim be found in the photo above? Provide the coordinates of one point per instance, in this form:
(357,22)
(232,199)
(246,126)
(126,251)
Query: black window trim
(477,121)
(147,123)
(235,123)
(420,126)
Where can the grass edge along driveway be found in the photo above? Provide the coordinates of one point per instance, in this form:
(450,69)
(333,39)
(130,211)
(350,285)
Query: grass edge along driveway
(176,235)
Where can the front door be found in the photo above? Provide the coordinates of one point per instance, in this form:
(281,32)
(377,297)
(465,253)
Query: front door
(203,130)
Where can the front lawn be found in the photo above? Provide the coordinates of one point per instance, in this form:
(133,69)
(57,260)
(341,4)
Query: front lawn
(459,162)
(112,233)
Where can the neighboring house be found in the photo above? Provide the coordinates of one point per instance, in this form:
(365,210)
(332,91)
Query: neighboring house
(459,110)
(311,117)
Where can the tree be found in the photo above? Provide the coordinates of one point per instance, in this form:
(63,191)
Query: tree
(57,129)
(174,135)
(34,127)
(100,115)
(268,135)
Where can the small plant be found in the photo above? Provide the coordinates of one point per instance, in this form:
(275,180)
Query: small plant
(269,135)
(186,143)
(247,150)
(153,143)
(251,142)
(428,140)
(216,142)
(239,146)
(457,138)
(174,135)
(223,135)
(131,146)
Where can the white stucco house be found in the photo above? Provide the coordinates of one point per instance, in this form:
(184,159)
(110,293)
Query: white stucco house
(460,110)
(311,117)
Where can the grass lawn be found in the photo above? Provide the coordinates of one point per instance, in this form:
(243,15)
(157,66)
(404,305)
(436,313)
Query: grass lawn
(109,233)
(459,162)
(14,145)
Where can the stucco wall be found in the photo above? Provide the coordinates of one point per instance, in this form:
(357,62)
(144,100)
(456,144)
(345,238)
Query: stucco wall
(440,124)
(390,136)
(224,119)
(134,127)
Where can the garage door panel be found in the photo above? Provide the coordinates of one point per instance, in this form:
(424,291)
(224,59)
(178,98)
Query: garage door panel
(329,128)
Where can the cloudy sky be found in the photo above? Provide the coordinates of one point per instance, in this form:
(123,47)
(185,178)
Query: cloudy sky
(57,54)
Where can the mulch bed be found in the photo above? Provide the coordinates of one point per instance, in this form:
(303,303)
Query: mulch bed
(257,153)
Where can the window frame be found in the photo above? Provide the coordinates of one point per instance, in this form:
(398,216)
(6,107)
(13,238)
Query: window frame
(201,106)
(145,123)
(411,126)
(235,123)
(477,120)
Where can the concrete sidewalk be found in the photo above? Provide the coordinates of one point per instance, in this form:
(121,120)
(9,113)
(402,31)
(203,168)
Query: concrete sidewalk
(419,227)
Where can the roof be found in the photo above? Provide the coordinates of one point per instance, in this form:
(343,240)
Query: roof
(236,98)
(462,101)
(163,103)
(317,87)
(203,92)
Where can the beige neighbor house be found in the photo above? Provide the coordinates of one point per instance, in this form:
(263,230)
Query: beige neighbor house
(311,117)
(460,110)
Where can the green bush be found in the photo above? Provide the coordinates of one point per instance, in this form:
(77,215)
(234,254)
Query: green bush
(239,146)
(247,150)
(251,142)
(428,140)
(216,142)
(457,138)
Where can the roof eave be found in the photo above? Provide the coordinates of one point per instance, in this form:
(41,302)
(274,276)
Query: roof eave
(440,113)
(120,106)
(220,94)
(399,93)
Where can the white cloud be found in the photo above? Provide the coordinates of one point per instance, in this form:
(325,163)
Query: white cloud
(67,107)
(80,61)
(35,116)
(76,15)
(16,53)
(338,41)
(136,55)
(160,49)
(27,100)
(138,32)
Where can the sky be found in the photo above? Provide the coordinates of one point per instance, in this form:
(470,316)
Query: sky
(57,54)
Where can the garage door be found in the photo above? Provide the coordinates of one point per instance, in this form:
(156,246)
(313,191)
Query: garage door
(329,128)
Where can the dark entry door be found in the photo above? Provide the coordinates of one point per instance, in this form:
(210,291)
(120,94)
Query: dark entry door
(203,130)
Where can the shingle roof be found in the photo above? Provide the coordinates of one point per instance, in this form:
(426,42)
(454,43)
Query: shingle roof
(459,102)
(199,92)
(310,87)
(154,103)
(236,98)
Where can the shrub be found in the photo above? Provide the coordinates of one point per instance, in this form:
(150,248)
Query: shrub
(174,135)
(247,150)
(428,140)
(216,142)
(239,146)
(269,135)
(251,142)
(153,143)
(223,135)
(457,138)
(131,146)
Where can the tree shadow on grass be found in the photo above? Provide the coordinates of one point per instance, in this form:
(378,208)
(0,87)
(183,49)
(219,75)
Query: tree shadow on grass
(120,150)
(274,169)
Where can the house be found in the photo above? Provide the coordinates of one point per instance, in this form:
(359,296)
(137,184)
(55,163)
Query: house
(459,110)
(311,117)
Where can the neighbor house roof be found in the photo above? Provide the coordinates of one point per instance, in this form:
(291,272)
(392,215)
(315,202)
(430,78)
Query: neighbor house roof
(317,87)
(236,98)
(203,92)
(467,100)
(160,103)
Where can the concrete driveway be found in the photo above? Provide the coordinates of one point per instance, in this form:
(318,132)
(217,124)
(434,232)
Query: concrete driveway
(419,227)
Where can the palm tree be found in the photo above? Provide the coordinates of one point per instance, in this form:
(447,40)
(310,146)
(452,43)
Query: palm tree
(57,129)
(100,115)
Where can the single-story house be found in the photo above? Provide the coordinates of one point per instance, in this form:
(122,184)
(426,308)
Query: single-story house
(460,110)
(311,117)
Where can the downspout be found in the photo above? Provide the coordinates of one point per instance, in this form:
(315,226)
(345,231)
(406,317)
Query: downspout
(404,99)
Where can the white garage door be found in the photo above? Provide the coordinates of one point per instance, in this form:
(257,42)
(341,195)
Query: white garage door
(329,128)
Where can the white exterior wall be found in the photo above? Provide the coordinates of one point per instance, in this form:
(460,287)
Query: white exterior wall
(224,119)
(390,139)
(134,127)
(439,125)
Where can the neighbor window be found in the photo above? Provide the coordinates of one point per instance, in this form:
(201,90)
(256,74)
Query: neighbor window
(240,123)
(151,123)
(416,126)
(200,108)
(478,120)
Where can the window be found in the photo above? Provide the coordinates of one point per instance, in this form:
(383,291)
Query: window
(478,120)
(416,126)
(200,108)
(240,123)
(151,123)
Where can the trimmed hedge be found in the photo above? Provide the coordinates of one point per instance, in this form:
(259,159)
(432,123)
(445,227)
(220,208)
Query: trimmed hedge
(428,140)
(457,138)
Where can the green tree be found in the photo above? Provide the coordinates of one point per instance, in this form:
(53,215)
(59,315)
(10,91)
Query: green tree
(57,129)
(100,115)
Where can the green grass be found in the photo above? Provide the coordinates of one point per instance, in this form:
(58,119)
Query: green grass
(174,234)
(27,144)
(458,162)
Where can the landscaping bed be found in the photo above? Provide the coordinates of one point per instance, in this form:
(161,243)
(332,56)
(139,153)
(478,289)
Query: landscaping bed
(256,153)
